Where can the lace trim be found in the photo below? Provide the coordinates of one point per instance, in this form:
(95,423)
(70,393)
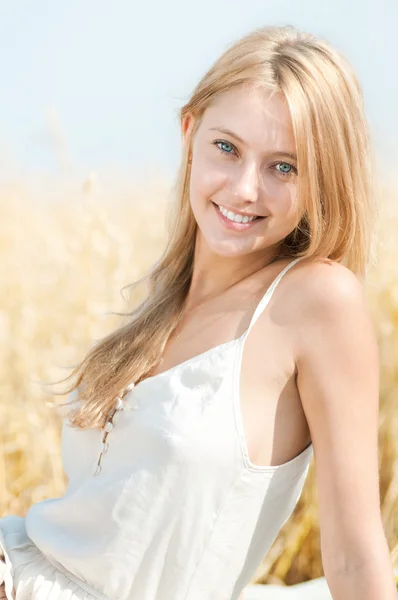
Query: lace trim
(120,405)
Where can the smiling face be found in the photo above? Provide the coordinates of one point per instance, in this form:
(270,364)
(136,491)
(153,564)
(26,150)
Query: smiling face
(241,168)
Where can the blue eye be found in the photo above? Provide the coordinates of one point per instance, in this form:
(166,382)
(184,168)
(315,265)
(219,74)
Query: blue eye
(224,147)
(286,173)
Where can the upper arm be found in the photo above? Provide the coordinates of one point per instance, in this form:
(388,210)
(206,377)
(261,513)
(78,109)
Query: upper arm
(338,382)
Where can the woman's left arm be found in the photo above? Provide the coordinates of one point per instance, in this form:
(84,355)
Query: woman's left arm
(338,382)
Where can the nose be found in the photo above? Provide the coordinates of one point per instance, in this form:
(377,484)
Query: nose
(246,182)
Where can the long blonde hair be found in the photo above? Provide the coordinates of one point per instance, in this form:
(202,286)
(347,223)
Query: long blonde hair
(335,189)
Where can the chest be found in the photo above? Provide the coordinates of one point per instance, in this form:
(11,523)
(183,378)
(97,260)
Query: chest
(269,411)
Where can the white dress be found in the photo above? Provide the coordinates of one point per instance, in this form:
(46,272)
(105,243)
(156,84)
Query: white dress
(177,512)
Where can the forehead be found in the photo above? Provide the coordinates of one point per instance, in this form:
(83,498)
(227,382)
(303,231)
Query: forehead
(254,115)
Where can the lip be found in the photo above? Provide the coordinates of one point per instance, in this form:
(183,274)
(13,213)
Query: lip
(233,225)
(238,212)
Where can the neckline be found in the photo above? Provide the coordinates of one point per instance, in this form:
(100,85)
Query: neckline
(261,305)
(194,358)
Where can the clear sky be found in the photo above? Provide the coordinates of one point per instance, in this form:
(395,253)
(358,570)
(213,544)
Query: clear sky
(90,85)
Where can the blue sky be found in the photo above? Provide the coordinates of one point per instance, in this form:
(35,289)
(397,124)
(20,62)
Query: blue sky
(95,85)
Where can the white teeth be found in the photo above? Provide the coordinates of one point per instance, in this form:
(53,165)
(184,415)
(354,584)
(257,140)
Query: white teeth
(235,217)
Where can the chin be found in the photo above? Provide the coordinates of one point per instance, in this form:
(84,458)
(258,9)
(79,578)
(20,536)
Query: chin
(225,248)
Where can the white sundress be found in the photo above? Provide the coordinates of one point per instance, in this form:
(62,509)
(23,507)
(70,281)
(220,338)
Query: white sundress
(174,511)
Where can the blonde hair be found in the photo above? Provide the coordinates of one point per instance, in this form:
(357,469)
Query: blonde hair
(335,192)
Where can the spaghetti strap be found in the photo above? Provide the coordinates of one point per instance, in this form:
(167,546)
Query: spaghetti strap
(268,294)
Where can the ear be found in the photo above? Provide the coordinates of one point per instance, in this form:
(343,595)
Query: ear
(187,126)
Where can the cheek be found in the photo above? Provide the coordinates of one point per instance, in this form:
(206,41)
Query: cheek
(206,181)
(282,199)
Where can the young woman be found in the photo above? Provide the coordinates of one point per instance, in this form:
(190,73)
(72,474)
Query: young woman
(191,428)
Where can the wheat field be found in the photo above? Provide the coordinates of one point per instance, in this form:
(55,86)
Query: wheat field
(68,248)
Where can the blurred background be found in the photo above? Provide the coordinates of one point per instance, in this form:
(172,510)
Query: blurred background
(89,148)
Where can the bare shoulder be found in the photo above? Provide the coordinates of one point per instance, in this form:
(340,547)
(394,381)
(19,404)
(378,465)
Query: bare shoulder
(325,294)
(325,285)
(324,271)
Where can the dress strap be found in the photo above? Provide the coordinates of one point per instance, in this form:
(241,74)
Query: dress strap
(268,294)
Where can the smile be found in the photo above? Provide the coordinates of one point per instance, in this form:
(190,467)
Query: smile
(236,221)
(237,217)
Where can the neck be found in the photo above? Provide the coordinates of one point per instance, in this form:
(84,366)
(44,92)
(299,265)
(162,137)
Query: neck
(214,274)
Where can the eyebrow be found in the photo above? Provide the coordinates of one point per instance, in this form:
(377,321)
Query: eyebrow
(232,134)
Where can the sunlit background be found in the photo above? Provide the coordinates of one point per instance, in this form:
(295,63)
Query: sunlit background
(89,147)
